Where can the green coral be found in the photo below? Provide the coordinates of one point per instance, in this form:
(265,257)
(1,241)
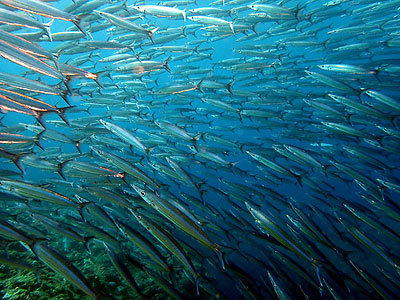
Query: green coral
(18,285)
(97,268)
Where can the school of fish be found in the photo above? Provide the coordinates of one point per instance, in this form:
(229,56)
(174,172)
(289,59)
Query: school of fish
(222,150)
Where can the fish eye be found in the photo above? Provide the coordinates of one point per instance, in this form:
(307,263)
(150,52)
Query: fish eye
(143,193)
(139,217)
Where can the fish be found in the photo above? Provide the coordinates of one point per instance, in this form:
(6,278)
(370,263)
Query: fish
(18,19)
(144,245)
(62,266)
(175,215)
(218,150)
(169,242)
(122,269)
(159,10)
(44,9)
(126,136)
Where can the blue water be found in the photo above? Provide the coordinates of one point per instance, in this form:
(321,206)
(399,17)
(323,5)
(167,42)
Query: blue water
(311,191)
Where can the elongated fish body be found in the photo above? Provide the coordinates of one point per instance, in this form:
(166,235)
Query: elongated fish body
(125,24)
(174,215)
(125,166)
(35,192)
(168,241)
(277,233)
(122,269)
(162,11)
(212,21)
(42,9)
(25,45)
(145,246)
(28,84)
(27,60)
(18,19)
(63,267)
(125,135)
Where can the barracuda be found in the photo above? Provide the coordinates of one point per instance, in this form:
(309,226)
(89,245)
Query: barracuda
(29,85)
(30,103)
(44,9)
(122,269)
(33,192)
(126,136)
(144,245)
(169,242)
(25,45)
(270,228)
(17,19)
(63,267)
(178,218)
(125,24)
(27,60)
(126,166)
(160,11)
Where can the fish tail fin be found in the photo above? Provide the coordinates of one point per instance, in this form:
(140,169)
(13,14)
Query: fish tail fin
(37,272)
(201,192)
(37,139)
(90,57)
(132,48)
(148,150)
(16,159)
(151,33)
(60,169)
(299,178)
(64,96)
(196,138)
(229,86)
(81,207)
(78,22)
(124,6)
(47,29)
(87,240)
(184,15)
(61,113)
(56,57)
(78,145)
(98,75)
(67,84)
(231,26)
(196,49)
(39,119)
(198,86)
(242,148)
(377,73)
(221,257)
(183,28)
(232,164)
(230,12)
(394,119)
(361,92)
(123,177)
(165,64)
(348,118)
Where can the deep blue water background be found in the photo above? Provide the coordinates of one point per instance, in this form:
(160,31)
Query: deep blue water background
(223,49)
